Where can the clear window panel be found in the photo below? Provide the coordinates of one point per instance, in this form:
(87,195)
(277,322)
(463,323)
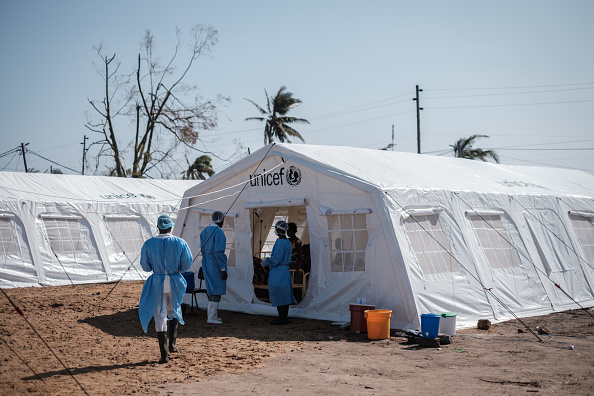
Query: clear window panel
(360,239)
(336,262)
(359,261)
(348,241)
(584,228)
(127,235)
(333,223)
(359,221)
(430,244)
(346,222)
(8,244)
(495,240)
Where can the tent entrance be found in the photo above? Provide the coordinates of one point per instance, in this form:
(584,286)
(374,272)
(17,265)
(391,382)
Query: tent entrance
(263,238)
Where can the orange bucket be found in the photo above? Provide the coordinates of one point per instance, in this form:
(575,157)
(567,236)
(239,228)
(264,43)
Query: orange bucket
(378,323)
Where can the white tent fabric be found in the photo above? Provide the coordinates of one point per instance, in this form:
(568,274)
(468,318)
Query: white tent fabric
(62,229)
(411,233)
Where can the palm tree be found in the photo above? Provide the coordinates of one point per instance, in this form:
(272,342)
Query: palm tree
(200,166)
(463,149)
(277,121)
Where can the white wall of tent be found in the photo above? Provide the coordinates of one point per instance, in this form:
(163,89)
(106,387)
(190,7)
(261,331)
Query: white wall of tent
(63,229)
(407,232)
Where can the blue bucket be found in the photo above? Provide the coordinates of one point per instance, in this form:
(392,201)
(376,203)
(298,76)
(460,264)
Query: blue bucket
(430,325)
(191,284)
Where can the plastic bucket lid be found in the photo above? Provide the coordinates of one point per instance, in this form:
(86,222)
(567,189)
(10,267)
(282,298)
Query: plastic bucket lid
(430,315)
(448,314)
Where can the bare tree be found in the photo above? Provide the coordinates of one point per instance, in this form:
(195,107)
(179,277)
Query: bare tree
(153,99)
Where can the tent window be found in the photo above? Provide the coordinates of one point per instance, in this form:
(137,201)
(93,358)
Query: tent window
(8,242)
(126,234)
(348,237)
(584,227)
(69,237)
(430,244)
(493,238)
(228,229)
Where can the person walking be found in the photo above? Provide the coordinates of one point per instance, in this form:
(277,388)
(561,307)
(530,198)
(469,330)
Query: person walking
(167,256)
(280,285)
(214,265)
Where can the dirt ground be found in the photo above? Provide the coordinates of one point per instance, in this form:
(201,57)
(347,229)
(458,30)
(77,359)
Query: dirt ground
(101,343)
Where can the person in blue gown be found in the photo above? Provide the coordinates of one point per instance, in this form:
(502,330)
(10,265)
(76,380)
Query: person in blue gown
(214,265)
(167,256)
(280,284)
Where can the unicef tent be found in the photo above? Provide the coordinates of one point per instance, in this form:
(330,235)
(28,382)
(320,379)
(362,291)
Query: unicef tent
(407,232)
(62,229)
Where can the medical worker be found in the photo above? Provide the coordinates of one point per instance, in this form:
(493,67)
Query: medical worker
(167,256)
(214,265)
(280,284)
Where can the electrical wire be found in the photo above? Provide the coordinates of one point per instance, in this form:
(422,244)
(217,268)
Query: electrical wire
(504,94)
(49,160)
(514,87)
(14,155)
(507,105)
(546,164)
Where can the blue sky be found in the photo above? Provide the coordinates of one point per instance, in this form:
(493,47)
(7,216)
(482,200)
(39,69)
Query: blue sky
(521,72)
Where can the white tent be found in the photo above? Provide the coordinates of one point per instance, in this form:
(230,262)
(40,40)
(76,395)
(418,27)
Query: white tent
(411,233)
(62,229)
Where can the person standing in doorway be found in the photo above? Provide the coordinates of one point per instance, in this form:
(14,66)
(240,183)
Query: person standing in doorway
(297,248)
(214,265)
(280,285)
(167,256)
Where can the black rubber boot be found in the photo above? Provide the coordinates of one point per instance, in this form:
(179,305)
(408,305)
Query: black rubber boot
(162,336)
(172,334)
(283,313)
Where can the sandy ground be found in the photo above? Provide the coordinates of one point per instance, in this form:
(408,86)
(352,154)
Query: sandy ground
(101,343)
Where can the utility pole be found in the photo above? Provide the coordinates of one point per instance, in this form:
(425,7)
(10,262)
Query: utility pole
(84,143)
(392,137)
(24,158)
(418,119)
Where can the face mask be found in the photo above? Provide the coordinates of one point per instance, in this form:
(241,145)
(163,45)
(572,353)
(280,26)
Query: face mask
(277,233)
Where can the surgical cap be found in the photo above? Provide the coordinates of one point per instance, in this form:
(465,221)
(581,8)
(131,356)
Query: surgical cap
(282,225)
(164,222)
(217,217)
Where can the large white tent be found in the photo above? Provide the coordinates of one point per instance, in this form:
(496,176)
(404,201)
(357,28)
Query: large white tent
(63,229)
(407,232)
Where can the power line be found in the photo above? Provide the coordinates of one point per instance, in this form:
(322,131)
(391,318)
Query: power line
(49,160)
(516,87)
(511,105)
(508,93)
(545,164)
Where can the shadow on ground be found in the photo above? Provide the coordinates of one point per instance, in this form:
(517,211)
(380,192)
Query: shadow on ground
(235,325)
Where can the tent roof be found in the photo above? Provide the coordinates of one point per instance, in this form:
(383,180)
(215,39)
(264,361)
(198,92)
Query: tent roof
(42,187)
(394,170)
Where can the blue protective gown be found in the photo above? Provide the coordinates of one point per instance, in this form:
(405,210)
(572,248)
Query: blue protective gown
(280,285)
(213,243)
(163,255)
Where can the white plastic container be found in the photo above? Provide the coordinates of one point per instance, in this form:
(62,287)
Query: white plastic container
(447,324)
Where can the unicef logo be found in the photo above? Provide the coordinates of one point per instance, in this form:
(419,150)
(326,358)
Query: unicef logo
(293,176)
